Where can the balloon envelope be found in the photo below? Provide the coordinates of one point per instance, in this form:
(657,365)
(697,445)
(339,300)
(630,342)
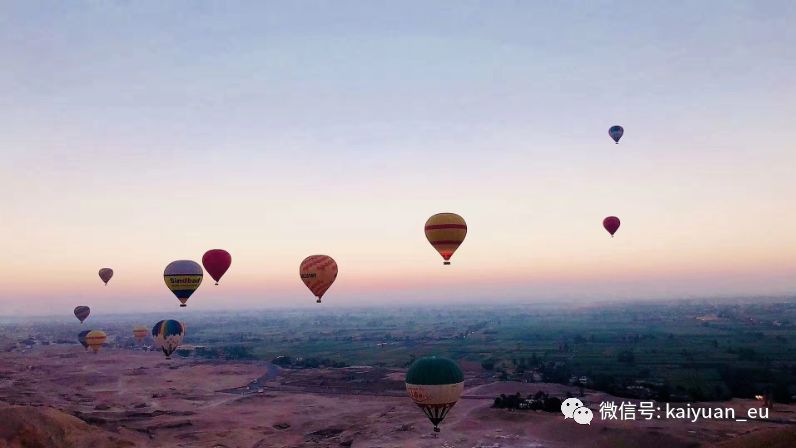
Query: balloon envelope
(81,337)
(611,224)
(95,339)
(318,272)
(435,385)
(168,335)
(446,232)
(616,133)
(140,332)
(105,274)
(82,312)
(182,277)
(216,263)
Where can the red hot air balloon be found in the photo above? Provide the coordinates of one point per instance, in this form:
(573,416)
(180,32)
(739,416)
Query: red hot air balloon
(318,272)
(611,224)
(216,263)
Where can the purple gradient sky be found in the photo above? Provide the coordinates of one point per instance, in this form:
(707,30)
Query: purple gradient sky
(136,133)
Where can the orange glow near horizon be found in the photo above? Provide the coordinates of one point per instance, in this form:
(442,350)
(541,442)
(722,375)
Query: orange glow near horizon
(343,138)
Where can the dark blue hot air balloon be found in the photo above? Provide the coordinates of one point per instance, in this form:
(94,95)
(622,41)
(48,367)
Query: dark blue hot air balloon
(616,133)
(81,337)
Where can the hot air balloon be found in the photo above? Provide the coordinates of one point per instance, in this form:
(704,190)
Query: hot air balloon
(318,272)
(611,224)
(139,333)
(81,337)
(435,384)
(95,339)
(168,336)
(183,277)
(105,274)
(616,133)
(82,312)
(216,263)
(446,231)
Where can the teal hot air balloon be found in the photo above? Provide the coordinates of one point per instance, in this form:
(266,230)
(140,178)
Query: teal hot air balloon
(168,335)
(435,385)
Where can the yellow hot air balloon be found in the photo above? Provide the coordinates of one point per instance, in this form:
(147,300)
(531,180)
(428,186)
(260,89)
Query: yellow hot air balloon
(140,332)
(95,339)
(182,277)
(446,231)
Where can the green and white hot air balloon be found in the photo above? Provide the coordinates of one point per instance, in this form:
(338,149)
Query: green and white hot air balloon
(435,385)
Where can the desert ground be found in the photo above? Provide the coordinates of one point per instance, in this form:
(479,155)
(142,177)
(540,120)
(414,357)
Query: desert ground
(62,396)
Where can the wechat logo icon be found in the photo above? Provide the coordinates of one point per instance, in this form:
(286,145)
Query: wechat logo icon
(574,409)
(569,405)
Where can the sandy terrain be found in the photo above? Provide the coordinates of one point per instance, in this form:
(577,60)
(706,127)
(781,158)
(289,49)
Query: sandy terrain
(62,396)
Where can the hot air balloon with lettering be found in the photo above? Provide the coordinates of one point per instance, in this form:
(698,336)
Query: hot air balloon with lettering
(616,133)
(435,385)
(81,337)
(216,263)
(318,272)
(95,339)
(168,335)
(182,277)
(446,231)
(611,224)
(105,274)
(82,312)
(139,333)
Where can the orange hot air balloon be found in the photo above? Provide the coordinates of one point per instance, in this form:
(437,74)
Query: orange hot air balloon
(318,272)
(140,332)
(446,231)
(95,339)
(105,275)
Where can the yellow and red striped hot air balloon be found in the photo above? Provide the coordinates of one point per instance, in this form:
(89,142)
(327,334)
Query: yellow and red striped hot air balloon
(318,272)
(446,231)
(95,339)
(140,332)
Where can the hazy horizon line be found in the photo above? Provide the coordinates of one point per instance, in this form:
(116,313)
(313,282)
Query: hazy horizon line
(500,303)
